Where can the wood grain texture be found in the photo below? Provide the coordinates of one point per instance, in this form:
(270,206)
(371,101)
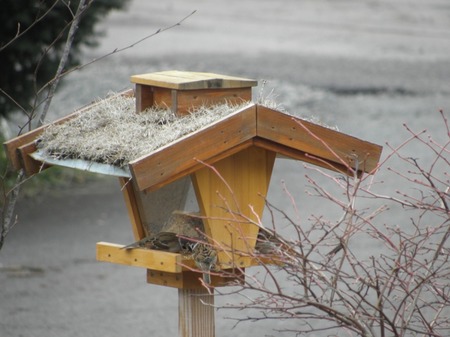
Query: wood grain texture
(183,102)
(316,140)
(139,257)
(180,157)
(131,203)
(231,198)
(30,165)
(294,154)
(144,97)
(188,80)
(196,313)
(186,100)
(189,279)
(12,145)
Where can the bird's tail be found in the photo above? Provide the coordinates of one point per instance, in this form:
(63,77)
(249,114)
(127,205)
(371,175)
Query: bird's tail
(207,278)
(130,246)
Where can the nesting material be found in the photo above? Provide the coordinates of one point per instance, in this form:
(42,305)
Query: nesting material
(112,133)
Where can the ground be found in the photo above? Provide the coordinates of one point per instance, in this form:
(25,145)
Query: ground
(366,67)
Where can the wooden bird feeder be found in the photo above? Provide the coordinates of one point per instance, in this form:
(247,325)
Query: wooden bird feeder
(225,167)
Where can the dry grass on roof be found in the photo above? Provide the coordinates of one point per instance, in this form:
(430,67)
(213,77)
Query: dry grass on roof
(111,132)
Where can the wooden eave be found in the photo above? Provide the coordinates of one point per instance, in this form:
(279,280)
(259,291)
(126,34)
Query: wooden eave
(254,126)
(18,149)
(187,154)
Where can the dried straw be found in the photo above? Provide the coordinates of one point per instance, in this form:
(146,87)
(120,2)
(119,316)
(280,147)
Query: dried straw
(111,132)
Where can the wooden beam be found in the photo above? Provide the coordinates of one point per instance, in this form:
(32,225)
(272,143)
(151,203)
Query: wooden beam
(144,97)
(12,145)
(291,153)
(189,80)
(131,203)
(30,165)
(189,279)
(181,157)
(186,100)
(316,140)
(140,257)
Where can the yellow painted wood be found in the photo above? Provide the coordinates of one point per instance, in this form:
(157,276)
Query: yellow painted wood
(188,80)
(291,153)
(232,199)
(12,145)
(190,279)
(174,280)
(30,165)
(139,257)
(180,157)
(131,203)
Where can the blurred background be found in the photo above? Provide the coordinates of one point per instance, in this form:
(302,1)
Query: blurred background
(365,67)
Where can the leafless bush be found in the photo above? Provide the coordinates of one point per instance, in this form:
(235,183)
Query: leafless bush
(36,114)
(368,273)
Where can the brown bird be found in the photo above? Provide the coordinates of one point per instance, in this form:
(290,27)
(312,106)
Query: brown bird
(205,258)
(267,243)
(166,241)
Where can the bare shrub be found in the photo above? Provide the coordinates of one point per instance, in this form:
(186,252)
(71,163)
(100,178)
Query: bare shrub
(368,273)
(36,114)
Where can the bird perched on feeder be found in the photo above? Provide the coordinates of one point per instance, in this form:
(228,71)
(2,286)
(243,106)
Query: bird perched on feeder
(205,258)
(267,243)
(167,241)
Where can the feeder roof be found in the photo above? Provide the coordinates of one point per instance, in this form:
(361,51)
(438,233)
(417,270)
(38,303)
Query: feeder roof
(250,125)
(184,80)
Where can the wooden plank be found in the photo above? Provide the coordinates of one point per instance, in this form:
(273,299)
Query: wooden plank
(162,97)
(316,140)
(144,97)
(30,165)
(180,157)
(139,257)
(189,279)
(12,145)
(186,279)
(189,99)
(198,165)
(131,203)
(184,80)
(231,198)
(196,313)
(183,101)
(291,153)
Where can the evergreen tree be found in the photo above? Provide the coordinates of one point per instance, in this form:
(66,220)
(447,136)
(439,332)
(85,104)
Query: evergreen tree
(32,58)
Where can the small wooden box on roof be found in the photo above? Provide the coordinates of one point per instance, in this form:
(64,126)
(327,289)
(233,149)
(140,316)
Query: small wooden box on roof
(216,175)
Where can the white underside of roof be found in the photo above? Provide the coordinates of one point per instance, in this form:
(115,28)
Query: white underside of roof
(83,165)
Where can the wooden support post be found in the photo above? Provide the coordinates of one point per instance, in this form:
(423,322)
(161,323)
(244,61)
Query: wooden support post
(196,313)
(133,212)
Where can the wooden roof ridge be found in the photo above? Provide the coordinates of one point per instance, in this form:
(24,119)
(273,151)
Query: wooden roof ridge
(260,126)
